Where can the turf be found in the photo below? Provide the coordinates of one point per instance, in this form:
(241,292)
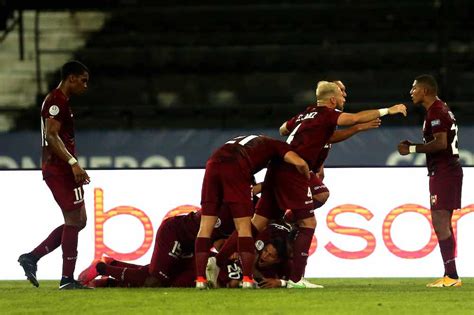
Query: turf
(340,296)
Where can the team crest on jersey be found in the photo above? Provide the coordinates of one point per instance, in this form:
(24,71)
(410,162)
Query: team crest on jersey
(434,199)
(259,245)
(218,223)
(435,122)
(54,110)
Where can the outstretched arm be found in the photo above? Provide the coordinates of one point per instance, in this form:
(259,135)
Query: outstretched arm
(341,135)
(346,119)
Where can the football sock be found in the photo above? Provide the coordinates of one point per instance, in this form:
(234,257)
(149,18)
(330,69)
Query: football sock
(300,252)
(448,250)
(129,277)
(202,247)
(247,255)
(69,246)
(230,247)
(50,243)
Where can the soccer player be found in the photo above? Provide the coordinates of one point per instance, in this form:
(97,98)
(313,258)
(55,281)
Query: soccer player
(285,189)
(173,252)
(63,175)
(440,135)
(320,191)
(228,182)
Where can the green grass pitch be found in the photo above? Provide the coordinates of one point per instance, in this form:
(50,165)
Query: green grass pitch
(340,296)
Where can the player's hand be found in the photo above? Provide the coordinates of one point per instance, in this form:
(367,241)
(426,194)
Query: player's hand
(268,283)
(403,147)
(399,108)
(369,125)
(80,175)
(303,169)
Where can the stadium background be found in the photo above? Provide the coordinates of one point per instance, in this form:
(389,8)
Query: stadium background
(172,80)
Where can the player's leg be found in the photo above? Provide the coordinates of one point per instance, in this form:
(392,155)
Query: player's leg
(127,275)
(245,247)
(29,260)
(447,243)
(75,220)
(166,253)
(445,193)
(203,246)
(319,191)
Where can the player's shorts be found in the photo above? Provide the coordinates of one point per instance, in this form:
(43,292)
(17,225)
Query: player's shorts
(227,183)
(185,274)
(167,253)
(445,192)
(316,184)
(68,194)
(284,188)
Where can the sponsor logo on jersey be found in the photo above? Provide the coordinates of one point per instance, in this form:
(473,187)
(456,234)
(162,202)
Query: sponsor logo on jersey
(54,110)
(435,122)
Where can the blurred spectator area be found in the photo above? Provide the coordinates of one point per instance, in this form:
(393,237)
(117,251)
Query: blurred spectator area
(217,63)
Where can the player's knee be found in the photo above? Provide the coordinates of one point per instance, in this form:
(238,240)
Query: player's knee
(309,223)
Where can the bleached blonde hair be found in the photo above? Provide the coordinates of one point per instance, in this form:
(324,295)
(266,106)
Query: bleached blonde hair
(326,90)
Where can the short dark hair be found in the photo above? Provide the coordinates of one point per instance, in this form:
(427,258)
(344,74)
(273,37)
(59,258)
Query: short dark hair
(280,246)
(73,67)
(428,81)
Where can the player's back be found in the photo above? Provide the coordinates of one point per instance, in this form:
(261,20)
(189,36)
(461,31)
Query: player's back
(308,138)
(256,150)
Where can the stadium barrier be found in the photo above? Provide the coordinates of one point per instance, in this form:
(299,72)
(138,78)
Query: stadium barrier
(375,223)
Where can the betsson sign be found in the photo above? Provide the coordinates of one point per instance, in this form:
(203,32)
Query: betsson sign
(375,224)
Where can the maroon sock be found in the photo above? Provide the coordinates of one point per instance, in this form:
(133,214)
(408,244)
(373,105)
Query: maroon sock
(69,246)
(202,247)
(129,277)
(448,250)
(300,252)
(230,247)
(247,255)
(50,243)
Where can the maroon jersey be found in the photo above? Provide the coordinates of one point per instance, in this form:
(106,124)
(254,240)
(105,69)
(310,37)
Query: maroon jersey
(293,122)
(440,119)
(256,150)
(56,106)
(310,133)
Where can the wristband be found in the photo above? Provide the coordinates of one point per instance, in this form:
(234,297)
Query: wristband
(283,283)
(72,161)
(412,148)
(383,112)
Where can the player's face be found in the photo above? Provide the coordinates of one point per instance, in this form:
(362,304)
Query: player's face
(342,87)
(268,256)
(79,83)
(416,93)
(340,100)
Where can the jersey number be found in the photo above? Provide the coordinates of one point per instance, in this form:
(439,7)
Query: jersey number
(78,193)
(242,141)
(292,135)
(454,144)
